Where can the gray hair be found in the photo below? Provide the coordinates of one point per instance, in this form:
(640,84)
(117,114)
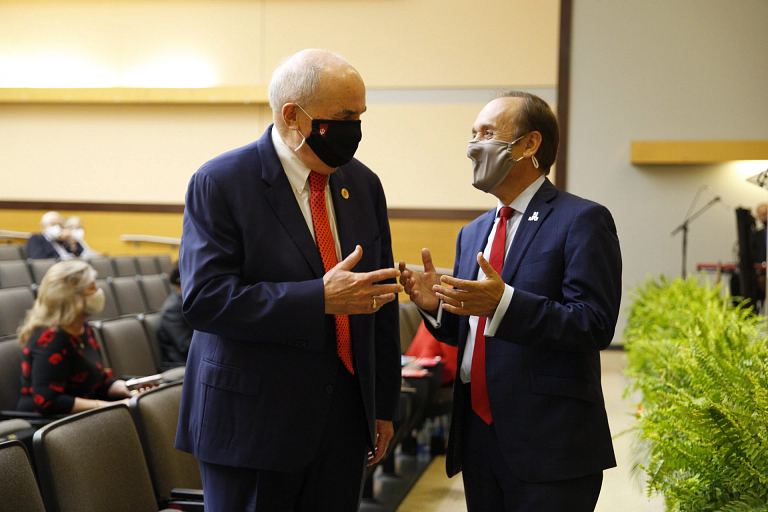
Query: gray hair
(297,78)
(50,217)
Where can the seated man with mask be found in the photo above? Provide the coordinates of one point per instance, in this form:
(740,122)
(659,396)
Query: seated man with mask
(53,242)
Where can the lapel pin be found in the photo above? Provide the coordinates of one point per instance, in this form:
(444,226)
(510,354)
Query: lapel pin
(345,193)
(534,217)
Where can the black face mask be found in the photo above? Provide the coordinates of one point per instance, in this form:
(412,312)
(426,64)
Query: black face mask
(334,142)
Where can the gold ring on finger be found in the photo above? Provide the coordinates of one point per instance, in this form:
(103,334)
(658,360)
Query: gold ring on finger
(374,303)
(462,304)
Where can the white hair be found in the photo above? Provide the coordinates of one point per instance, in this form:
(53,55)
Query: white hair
(49,218)
(297,78)
(72,222)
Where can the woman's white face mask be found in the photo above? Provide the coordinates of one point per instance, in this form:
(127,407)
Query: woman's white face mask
(94,303)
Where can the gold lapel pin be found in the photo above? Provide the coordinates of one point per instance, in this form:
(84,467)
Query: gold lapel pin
(345,193)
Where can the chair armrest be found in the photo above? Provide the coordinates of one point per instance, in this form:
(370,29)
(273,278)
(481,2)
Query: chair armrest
(187,494)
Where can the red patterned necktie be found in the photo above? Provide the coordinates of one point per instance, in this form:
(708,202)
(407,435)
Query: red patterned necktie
(327,248)
(477,376)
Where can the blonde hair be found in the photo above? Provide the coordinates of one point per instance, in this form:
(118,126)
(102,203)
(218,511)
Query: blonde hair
(59,299)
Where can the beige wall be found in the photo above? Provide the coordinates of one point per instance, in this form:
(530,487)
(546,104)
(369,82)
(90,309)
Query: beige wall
(405,50)
(676,70)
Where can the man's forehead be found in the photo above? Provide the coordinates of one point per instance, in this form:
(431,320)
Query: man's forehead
(499,113)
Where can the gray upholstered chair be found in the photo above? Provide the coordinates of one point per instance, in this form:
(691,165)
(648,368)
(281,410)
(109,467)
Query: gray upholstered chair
(165,264)
(151,322)
(147,265)
(103,266)
(18,487)
(156,290)
(14,273)
(40,267)
(155,413)
(128,294)
(10,373)
(111,308)
(93,461)
(410,320)
(125,266)
(14,303)
(9,252)
(127,346)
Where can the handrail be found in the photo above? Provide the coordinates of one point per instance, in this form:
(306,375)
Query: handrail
(138,239)
(14,234)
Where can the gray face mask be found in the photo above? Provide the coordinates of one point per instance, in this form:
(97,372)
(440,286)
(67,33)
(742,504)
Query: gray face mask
(492,161)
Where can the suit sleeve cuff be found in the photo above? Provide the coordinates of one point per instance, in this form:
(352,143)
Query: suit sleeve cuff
(501,310)
(435,322)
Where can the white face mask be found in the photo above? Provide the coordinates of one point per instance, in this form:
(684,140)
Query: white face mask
(53,231)
(78,234)
(94,304)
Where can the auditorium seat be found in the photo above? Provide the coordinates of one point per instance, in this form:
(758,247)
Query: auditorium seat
(410,320)
(14,273)
(156,289)
(147,265)
(93,461)
(9,252)
(10,373)
(14,303)
(155,413)
(127,347)
(125,266)
(151,322)
(130,300)
(23,251)
(103,267)
(111,309)
(18,486)
(165,264)
(40,267)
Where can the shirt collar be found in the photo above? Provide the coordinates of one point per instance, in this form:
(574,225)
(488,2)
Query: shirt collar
(521,202)
(296,171)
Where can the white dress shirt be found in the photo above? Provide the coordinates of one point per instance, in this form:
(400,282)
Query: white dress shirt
(519,204)
(298,174)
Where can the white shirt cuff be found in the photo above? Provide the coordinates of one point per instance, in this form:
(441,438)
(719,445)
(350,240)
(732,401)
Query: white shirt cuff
(501,310)
(434,322)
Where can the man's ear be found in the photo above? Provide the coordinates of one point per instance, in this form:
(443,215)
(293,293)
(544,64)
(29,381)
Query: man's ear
(532,143)
(290,116)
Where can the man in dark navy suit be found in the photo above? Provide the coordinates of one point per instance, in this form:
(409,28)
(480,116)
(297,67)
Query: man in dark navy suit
(534,297)
(293,375)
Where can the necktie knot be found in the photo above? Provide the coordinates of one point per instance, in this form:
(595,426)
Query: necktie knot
(506,212)
(317,181)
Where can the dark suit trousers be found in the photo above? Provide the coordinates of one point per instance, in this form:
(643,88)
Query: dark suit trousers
(490,485)
(331,483)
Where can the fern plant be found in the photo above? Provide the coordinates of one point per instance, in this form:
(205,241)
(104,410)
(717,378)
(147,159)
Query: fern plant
(701,366)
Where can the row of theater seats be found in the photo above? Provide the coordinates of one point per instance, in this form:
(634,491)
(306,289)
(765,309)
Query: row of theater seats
(115,458)
(129,348)
(123,296)
(21,272)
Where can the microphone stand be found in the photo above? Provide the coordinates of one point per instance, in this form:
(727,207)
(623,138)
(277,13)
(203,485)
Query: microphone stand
(684,228)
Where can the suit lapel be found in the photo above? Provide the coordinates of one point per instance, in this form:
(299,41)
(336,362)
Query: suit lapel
(345,212)
(281,198)
(535,215)
(469,266)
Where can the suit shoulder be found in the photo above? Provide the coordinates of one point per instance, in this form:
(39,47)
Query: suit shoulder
(231,163)
(579,203)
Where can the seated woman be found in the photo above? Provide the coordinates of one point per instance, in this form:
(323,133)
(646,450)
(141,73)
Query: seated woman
(61,366)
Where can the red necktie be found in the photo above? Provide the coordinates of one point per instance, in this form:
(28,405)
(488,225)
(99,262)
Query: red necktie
(477,376)
(328,254)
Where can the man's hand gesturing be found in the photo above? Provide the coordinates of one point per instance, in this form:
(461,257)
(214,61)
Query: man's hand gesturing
(354,293)
(418,285)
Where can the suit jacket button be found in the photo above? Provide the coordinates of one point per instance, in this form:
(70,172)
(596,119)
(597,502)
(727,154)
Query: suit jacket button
(329,388)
